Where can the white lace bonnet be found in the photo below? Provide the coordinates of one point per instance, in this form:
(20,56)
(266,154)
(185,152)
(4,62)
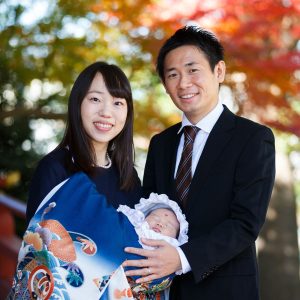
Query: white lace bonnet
(162,201)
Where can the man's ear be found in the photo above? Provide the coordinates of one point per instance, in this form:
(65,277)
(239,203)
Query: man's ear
(220,70)
(164,87)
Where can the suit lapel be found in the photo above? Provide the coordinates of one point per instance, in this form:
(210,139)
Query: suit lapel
(173,147)
(218,138)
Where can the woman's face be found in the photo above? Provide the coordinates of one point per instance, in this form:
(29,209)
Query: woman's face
(103,116)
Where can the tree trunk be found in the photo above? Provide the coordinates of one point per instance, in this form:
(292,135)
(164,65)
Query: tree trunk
(278,244)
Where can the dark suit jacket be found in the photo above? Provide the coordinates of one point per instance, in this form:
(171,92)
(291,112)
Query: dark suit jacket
(226,207)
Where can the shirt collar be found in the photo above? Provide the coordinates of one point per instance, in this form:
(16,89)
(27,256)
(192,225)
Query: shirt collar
(208,122)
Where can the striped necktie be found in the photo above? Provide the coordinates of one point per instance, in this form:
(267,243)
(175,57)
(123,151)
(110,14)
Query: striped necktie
(184,173)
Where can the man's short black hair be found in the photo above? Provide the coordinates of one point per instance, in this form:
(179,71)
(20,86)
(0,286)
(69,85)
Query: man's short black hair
(204,40)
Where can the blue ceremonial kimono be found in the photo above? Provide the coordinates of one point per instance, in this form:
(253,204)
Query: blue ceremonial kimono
(74,246)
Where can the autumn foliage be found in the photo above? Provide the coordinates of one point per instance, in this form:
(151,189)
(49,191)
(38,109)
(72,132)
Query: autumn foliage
(262,45)
(41,59)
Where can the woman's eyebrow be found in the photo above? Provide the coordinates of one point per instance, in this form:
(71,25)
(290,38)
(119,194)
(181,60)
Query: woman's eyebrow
(95,91)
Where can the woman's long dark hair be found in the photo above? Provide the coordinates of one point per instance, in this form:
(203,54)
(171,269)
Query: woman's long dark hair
(83,157)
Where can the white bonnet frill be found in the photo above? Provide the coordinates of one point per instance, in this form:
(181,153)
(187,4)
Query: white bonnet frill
(137,216)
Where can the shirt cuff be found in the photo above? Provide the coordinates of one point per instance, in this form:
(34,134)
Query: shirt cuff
(184,263)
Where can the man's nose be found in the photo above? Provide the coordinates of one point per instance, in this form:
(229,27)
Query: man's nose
(184,81)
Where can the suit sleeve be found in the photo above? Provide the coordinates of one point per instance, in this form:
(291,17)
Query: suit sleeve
(253,183)
(149,184)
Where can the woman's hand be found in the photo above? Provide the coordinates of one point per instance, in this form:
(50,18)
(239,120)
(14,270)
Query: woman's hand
(160,262)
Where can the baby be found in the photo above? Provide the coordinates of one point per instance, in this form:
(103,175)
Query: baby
(158,217)
(164,221)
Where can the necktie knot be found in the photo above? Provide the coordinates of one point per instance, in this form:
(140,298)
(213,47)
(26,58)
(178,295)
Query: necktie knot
(190,132)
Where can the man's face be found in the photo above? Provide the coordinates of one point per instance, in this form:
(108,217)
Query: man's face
(191,83)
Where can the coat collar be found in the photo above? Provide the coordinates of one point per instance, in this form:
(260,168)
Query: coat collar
(217,140)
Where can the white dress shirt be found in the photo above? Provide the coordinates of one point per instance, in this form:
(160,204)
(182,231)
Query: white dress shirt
(205,125)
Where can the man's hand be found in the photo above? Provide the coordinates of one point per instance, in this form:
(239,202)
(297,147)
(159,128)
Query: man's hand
(160,262)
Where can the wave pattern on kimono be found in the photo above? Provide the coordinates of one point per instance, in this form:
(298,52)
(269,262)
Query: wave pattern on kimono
(74,246)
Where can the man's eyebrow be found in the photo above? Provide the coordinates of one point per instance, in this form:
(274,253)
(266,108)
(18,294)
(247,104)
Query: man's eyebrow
(169,70)
(189,64)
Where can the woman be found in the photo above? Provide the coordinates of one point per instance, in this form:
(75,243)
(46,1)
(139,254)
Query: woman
(98,139)
(57,259)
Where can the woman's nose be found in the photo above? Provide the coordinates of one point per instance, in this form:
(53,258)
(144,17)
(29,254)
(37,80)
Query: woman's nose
(105,110)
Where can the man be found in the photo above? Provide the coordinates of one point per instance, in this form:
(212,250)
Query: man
(223,185)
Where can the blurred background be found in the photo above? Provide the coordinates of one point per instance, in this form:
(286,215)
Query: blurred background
(44,44)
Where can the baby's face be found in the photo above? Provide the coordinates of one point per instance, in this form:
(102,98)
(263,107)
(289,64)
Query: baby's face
(163,221)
